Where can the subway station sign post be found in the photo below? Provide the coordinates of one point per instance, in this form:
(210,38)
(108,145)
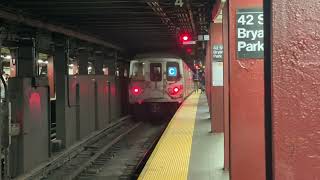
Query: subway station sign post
(250,34)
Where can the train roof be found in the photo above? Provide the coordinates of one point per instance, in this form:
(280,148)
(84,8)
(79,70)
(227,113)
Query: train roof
(156,55)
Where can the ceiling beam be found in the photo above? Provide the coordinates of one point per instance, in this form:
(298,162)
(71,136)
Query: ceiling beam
(86,8)
(127,23)
(191,17)
(55,28)
(110,2)
(89,13)
(163,16)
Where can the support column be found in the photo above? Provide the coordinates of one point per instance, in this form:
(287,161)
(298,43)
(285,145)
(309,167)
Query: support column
(109,62)
(115,63)
(29,98)
(292,89)
(100,95)
(226,99)
(50,70)
(3,115)
(83,61)
(86,83)
(26,64)
(115,92)
(61,69)
(98,62)
(217,77)
(246,77)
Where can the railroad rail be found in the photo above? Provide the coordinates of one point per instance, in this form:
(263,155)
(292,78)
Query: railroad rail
(71,162)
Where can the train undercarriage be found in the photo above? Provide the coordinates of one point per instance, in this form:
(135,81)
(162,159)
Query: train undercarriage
(157,111)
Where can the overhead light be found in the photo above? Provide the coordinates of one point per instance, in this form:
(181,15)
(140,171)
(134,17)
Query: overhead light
(40,61)
(7,57)
(70,65)
(46,62)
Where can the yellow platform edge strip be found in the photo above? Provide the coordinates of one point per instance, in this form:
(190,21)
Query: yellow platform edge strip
(170,158)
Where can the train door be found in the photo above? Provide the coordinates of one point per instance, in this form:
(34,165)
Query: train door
(157,80)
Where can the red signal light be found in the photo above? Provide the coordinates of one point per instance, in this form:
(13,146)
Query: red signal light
(189,50)
(185,38)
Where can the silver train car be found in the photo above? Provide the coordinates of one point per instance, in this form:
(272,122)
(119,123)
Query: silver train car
(158,85)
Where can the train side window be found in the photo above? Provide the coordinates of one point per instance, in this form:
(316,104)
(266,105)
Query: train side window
(155,71)
(173,71)
(137,71)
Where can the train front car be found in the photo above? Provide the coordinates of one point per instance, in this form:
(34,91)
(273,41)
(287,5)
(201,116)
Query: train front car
(157,86)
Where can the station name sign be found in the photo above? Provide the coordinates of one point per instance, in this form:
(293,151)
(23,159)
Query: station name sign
(250,33)
(217,52)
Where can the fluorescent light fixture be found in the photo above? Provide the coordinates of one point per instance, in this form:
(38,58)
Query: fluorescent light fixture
(40,61)
(7,57)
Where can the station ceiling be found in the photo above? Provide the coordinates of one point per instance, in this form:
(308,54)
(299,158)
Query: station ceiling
(136,25)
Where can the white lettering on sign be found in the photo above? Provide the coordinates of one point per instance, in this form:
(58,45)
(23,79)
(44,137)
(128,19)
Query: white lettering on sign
(217,52)
(250,33)
(260,17)
(246,20)
(250,47)
(179,3)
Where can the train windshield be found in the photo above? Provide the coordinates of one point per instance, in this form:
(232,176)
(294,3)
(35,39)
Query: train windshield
(173,71)
(137,72)
(155,71)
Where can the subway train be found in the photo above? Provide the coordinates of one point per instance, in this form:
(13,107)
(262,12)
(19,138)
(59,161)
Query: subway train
(158,85)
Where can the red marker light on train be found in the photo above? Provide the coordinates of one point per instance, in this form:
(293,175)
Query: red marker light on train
(136,90)
(189,50)
(175,89)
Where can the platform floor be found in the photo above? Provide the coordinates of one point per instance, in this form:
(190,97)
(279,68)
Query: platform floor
(187,149)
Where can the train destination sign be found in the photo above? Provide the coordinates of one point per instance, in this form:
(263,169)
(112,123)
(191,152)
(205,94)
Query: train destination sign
(250,33)
(172,71)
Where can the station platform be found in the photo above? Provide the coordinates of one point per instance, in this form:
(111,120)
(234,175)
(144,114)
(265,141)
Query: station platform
(187,148)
